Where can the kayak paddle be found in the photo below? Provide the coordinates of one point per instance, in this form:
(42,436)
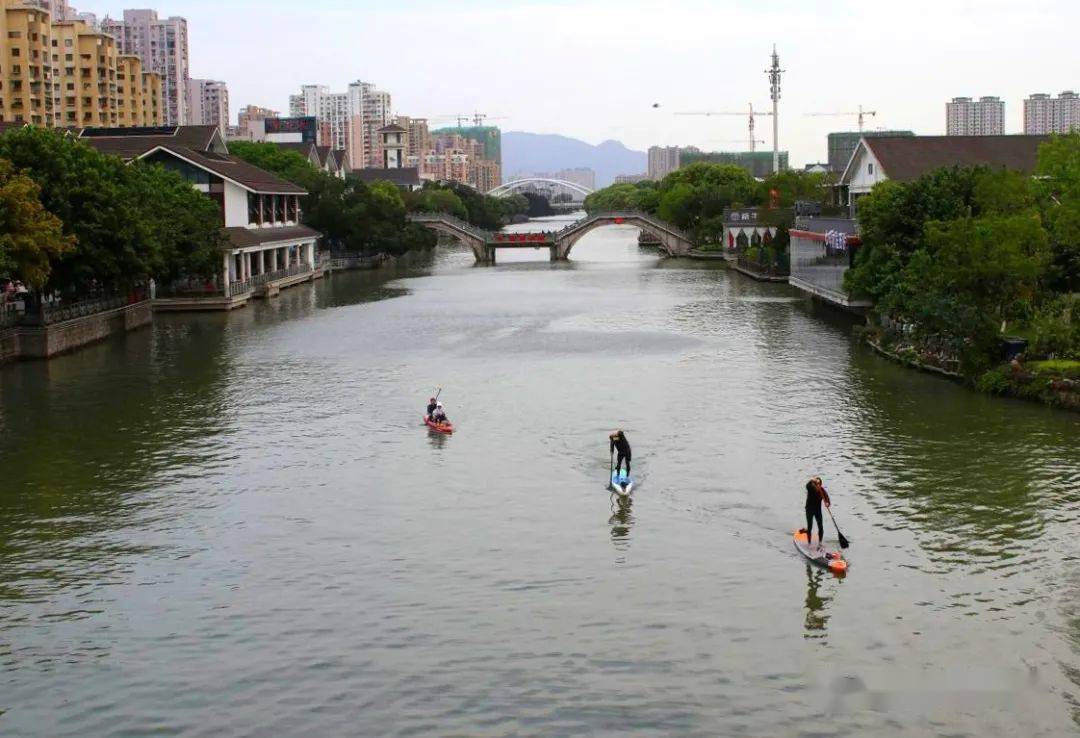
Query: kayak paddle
(843,541)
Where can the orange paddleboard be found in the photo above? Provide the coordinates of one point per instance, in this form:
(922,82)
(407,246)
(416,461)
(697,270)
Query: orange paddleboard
(832,560)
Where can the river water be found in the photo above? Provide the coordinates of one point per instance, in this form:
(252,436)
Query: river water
(235,525)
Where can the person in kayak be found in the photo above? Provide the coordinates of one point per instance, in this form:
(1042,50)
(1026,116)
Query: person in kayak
(618,441)
(815,495)
(432,404)
(438,415)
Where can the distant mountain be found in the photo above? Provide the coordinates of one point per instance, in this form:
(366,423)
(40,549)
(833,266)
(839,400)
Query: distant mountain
(545,152)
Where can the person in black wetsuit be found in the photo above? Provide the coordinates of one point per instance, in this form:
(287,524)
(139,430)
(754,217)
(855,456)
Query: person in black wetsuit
(618,441)
(815,495)
(432,404)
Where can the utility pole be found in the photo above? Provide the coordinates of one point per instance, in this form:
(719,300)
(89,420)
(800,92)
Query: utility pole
(774,73)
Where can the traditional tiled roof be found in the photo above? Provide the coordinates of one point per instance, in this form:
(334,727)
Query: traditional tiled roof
(131,143)
(242,238)
(904,158)
(393,128)
(324,153)
(342,157)
(403,177)
(235,169)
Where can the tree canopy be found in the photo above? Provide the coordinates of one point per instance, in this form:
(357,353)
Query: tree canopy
(961,252)
(31,238)
(694,197)
(124,223)
(467,203)
(352,215)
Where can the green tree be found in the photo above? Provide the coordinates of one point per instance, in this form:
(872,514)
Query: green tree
(791,185)
(286,163)
(892,221)
(184,224)
(437,201)
(129,222)
(975,275)
(31,238)
(1058,185)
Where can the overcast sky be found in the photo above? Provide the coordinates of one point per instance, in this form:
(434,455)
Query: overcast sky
(592,69)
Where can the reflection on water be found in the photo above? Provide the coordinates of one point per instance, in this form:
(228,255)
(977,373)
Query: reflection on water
(621,521)
(235,524)
(817,602)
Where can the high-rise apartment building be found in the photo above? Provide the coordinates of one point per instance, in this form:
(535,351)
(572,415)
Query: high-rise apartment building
(1044,114)
(250,114)
(162,45)
(965,116)
(28,91)
(663,160)
(467,155)
(419,139)
(209,103)
(369,110)
(66,73)
(348,120)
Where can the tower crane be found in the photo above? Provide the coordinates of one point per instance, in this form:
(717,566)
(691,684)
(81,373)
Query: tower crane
(750,117)
(479,118)
(462,119)
(734,140)
(860,113)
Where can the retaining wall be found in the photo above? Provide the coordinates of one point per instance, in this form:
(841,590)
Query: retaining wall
(42,342)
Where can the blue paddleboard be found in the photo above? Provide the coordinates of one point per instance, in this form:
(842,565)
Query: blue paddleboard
(621,482)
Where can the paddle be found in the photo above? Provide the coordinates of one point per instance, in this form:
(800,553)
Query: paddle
(611,469)
(843,541)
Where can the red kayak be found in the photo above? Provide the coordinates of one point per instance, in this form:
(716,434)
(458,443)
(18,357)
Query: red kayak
(446,427)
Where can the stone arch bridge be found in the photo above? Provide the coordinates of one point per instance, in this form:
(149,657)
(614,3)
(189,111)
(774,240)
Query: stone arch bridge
(484,243)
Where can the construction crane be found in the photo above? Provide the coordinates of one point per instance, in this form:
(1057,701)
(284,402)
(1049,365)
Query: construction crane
(479,118)
(860,113)
(750,116)
(734,140)
(459,117)
(462,119)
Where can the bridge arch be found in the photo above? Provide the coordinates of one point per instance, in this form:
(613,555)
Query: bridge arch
(475,238)
(673,241)
(525,182)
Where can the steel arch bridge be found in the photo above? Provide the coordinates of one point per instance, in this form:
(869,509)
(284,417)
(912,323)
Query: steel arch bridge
(535,184)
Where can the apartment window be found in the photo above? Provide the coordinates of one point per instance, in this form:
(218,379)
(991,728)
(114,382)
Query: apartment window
(14,34)
(68,43)
(16,51)
(870,168)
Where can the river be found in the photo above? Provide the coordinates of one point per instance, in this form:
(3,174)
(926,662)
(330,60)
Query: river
(236,525)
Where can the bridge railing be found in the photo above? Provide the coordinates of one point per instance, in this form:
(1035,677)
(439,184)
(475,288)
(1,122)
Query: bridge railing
(606,215)
(452,221)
